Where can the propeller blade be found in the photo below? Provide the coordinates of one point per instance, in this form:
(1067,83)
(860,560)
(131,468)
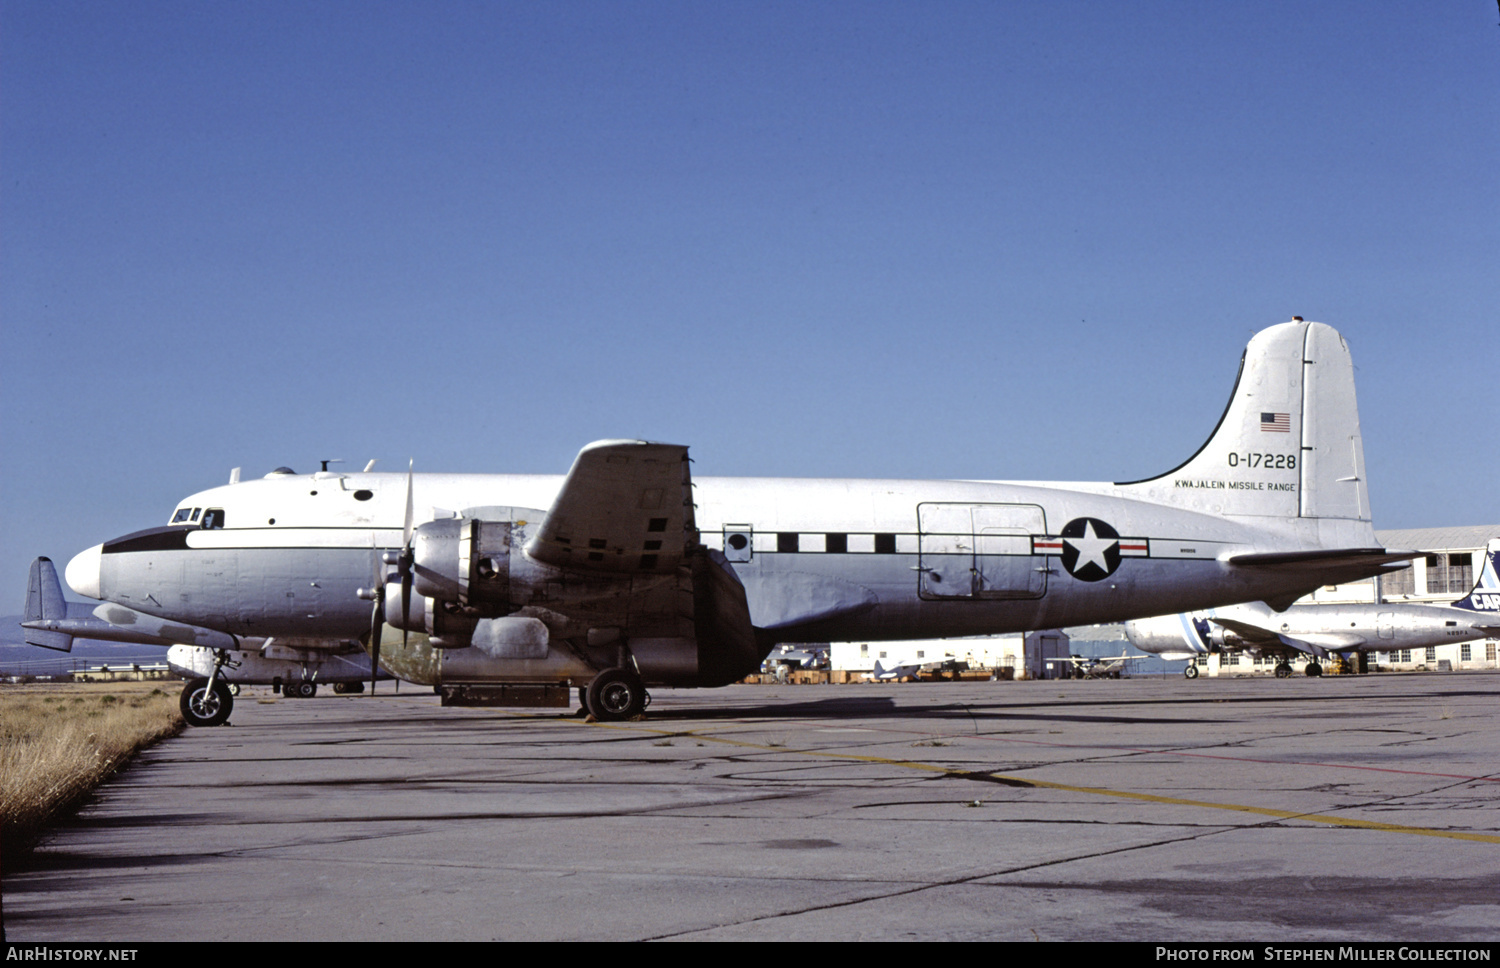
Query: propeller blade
(406,531)
(405,599)
(377,615)
(407,557)
(377,630)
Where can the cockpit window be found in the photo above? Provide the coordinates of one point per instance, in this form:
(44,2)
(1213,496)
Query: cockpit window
(213,518)
(186,515)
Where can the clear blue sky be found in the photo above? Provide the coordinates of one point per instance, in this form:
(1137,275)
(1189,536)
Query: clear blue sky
(1003,240)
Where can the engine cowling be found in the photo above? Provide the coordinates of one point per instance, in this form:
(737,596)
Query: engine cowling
(464,560)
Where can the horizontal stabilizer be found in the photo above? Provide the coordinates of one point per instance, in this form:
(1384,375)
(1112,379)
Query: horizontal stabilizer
(1330,566)
(1374,558)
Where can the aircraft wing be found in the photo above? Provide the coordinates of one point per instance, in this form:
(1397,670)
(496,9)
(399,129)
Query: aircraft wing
(121,624)
(1253,634)
(626,506)
(1316,643)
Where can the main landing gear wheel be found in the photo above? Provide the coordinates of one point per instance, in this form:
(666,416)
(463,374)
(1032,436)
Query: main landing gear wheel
(616,694)
(304,689)
(1313,669)
(202,706)
(1191,671)
(1284,670)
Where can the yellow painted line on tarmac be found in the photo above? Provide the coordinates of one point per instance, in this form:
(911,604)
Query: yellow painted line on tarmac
(1394,828)
(1017,781)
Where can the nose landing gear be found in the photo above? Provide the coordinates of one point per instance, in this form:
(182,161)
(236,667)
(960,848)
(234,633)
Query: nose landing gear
(205,704)
(208,702)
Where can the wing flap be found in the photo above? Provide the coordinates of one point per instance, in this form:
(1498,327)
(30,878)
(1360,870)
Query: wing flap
(1313,643)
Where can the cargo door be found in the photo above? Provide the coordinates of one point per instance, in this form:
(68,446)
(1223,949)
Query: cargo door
(979,551)
(945,551)
(1004,564)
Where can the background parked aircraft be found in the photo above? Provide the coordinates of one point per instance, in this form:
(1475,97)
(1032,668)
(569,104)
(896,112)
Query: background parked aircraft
(196,654)
(1321,629)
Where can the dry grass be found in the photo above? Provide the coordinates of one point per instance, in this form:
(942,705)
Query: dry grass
(60,741)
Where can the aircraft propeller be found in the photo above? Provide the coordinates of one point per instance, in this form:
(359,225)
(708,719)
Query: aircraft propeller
(403,562)
(377,615)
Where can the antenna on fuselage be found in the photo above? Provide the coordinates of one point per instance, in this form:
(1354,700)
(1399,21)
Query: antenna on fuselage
(234,476)
(370,466)
(331,460)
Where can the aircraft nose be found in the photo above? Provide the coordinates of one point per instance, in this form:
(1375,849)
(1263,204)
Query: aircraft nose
(82,572)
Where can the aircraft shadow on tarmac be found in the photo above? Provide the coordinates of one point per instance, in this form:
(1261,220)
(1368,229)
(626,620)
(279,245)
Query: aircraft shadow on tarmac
(862,707)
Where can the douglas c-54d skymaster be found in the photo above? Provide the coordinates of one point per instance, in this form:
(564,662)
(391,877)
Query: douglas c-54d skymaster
(626,573)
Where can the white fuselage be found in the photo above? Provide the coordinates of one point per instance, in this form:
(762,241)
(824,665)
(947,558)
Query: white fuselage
(824,559)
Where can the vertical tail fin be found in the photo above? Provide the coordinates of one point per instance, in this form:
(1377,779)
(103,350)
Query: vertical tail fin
(1485,595)
(1288,444)
(45,602)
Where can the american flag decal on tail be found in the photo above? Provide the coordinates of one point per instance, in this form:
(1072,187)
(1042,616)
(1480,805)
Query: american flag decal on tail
(1276,423)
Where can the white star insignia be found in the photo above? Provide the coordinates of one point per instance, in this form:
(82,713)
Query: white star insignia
(1091,548)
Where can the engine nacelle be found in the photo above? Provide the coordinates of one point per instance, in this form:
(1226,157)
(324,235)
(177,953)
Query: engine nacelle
(464,561)
(687,627)
(448,624)
(1176,635)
